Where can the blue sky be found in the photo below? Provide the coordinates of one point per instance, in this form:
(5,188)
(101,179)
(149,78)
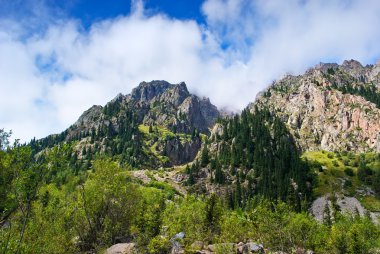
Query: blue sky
(90,11)
(58,58)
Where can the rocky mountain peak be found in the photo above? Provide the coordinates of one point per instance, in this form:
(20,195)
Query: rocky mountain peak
(165,114)
(175,95)
(172,106)
(117,98)
(324,67)
(146,91)
(89,115)
(182,87)
(331,107)
(352,64)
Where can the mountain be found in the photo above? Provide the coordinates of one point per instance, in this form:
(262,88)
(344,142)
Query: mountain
(315,135)
(330,107)
(124,126)
(161,170)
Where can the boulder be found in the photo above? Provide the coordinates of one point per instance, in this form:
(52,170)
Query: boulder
(254,248)
(197,245)
(122,248)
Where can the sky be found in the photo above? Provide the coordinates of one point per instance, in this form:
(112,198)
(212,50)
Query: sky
(58,58)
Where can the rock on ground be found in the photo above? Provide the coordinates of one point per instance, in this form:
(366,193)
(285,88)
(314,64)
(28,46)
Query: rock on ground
(122,248)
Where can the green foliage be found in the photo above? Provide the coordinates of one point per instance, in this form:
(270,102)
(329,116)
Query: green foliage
(219,175)
(123,142)
(354,236)
(107,204)
(235,227)
(205,156)
(349,172)
(186,215)
(21,180)
(357,170)
(213,214)
(262,142)
(169,190)
(49,206)
(159,245)
(149,221)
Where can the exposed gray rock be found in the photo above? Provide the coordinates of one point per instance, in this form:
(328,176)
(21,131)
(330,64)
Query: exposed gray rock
(90,115)
(318,207)
(122,248)
(348,205)
(323,118)
(255,248)
(161,103)
(146,91)
(155,103)
(178,151)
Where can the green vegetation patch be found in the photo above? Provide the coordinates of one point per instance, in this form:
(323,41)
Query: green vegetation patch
(347,173)
(371,203)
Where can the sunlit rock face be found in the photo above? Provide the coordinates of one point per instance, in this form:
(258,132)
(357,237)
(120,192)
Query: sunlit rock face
(321,114)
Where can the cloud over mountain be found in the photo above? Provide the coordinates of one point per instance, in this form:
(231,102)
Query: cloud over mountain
(53,71)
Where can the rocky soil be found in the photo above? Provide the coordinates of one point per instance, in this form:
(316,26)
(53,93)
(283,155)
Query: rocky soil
(348,205)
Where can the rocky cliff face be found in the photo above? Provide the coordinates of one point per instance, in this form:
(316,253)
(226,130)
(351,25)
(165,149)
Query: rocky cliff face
(320,115)
(158,103)
(173,106)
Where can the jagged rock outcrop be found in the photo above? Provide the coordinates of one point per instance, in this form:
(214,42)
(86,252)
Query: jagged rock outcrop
(319,115)
(155,103)
(174,107)
(180,152)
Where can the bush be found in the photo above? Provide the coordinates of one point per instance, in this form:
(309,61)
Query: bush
(346,162)
(234,228)
(159,245)
(348,171)
(347,184)
(353,236)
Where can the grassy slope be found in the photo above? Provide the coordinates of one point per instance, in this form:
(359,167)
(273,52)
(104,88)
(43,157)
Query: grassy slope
(332,170)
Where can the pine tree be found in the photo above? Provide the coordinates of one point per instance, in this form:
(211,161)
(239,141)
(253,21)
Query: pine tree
(191,179)
(219,177)
(205,156)
(238,191)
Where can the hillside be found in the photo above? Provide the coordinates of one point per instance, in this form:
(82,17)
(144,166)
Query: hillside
(158,124)
(330,107)
(161,170)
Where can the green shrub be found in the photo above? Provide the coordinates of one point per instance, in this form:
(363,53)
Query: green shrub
(348,171)
(159,245)
(348,183)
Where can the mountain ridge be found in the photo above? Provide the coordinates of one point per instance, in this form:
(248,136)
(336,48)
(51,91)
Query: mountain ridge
(325,109)
(117,127)
(161,162)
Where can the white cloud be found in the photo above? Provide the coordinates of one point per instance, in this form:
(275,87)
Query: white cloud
(48,79)
(291,36)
